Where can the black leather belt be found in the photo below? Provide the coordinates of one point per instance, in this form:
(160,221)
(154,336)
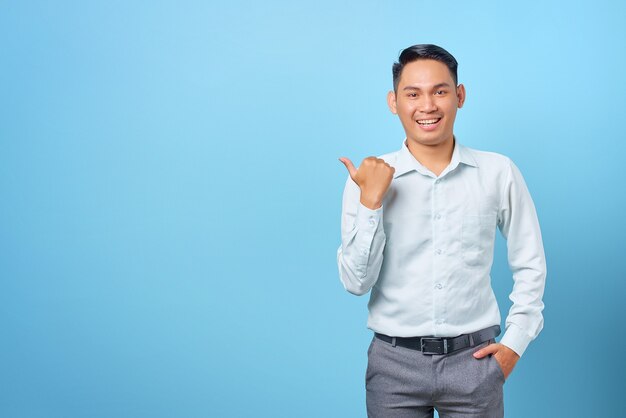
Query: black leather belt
(442,345)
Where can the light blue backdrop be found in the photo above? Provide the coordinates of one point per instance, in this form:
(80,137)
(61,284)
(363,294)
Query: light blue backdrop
(170,197)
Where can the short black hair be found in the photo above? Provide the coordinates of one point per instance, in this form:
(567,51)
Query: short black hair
(422,52)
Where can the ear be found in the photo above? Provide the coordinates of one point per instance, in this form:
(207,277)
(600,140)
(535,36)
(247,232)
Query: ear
(391,102)
(460,95)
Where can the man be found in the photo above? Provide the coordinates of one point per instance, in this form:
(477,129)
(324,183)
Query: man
(427,258)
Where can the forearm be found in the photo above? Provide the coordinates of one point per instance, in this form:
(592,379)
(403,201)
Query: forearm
(360,256)
(524,322)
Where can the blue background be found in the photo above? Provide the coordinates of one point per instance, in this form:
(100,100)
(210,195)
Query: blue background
(170,197)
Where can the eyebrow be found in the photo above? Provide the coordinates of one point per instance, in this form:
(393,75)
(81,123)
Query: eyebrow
(436,86)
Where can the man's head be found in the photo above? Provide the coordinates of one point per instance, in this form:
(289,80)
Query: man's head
(426,95)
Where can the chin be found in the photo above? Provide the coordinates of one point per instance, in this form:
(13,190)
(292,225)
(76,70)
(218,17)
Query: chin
(429,141)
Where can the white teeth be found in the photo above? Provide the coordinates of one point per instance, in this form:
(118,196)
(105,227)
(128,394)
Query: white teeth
(428,121)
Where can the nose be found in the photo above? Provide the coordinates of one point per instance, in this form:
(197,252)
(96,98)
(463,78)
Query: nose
(427,104)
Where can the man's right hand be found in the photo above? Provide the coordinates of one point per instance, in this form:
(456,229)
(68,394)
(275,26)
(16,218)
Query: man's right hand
(373,177)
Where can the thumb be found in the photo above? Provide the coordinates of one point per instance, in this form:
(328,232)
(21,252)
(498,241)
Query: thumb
(349,166)
(485,351)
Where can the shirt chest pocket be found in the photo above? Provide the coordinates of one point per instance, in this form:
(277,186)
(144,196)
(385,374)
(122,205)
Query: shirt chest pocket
(477,239)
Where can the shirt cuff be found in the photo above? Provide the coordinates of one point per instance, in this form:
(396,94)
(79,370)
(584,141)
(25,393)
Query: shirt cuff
(516,339)
(368,219)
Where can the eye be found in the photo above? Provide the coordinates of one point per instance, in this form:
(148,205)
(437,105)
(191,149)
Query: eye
(413,95)
(440,92)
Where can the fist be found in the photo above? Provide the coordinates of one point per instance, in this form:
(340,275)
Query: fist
(373,177)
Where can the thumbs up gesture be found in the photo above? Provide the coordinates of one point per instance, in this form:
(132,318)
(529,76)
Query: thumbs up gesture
(373,178)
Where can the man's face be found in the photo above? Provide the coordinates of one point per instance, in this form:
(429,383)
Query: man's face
(426,102)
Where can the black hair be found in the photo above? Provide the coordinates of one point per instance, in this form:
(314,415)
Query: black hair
(423,51)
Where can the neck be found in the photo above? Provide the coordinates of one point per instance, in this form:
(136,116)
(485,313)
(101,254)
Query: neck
(434,157)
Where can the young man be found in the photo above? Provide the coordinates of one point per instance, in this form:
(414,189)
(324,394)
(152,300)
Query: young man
(427,258)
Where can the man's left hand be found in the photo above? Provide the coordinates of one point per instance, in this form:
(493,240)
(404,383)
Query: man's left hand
(505,357)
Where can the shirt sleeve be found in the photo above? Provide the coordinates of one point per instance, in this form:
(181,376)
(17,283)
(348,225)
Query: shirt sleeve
(517,220)
(360,255)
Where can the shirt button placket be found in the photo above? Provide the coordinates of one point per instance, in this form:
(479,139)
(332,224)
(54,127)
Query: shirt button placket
(439,252)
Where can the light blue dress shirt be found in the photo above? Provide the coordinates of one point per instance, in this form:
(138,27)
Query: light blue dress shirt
(426,254)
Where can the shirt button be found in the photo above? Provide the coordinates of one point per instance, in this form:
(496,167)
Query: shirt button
(372,221)
(438,251)
(438,216)
(438,286)
(364,252)
(440,321)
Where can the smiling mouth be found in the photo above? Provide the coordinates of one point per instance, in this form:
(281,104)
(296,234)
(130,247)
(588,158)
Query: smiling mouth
(428,122)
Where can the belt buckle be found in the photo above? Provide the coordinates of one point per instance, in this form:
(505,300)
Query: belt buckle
(443,347)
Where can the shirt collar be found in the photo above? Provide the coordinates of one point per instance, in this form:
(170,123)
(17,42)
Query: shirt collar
(406,162)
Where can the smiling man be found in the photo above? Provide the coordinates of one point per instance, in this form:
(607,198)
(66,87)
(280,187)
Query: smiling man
(427,258)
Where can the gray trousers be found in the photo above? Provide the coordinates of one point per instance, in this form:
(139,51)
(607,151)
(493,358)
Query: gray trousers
(401,382)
